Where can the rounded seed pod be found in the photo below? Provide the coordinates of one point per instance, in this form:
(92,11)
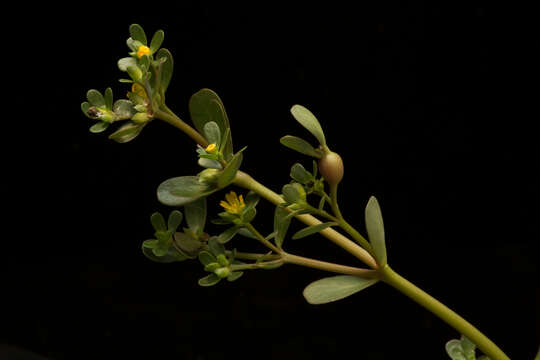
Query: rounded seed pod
(331,168)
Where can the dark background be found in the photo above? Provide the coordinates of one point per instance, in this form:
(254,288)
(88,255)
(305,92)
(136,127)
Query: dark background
(424,103)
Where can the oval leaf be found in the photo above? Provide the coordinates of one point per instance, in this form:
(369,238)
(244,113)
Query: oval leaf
(300,145)
(227,175)
(206,258)
(182,190)
(124,63)
(157,40)
(170,257)
(95,98)
(454,350)
(108,98)
(300,174)
(127,132)
(312,230)
(212,133)
(196,215)
(235,275)
(209,280)
(99,127)
(281,224)
(227,235)
(123,109)
(166,68)
(187,244)
(158,222)
(137,33)
(335,288)
(205,106)
(174,221)
(309,121)
(375,230)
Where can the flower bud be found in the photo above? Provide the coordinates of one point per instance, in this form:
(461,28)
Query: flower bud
(140,118)
(222,272)
(222,260)
(209,176)
(212,149)
(331,168)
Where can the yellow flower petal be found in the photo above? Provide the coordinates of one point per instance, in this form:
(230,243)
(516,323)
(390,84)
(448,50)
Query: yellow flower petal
(143,50)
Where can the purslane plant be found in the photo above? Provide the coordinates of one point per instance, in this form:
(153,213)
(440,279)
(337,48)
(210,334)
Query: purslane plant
(310,196)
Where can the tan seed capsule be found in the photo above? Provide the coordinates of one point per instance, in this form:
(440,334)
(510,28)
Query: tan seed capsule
(331,168)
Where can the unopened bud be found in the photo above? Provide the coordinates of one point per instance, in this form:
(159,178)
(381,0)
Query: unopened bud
(212,149)
(208,176)
(222,272)
(140,118)
(331,168)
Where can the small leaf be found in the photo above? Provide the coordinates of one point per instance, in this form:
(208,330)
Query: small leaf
(235,275)
(375,230)
(196,215)
(252,199)
(137,33)
(209,280)
(468,348)
(99,127)
(249,214)
(300,174)
(281,224)
(150,244)
(174,221)
(290,193)
(227,235)
(95,98)
(171,256)
(216,247)
(158,222)
(126,62)
(245,232)
(209,163)
(299,145)
(227,175)
(127,132)
(187,244)
(108,98)
(212,133)
(157,40)
(223,147)
(454,350)
(85,106)
(308,121)
(182,190)
(206,258)
(312,230)
(335,288)
(167,67)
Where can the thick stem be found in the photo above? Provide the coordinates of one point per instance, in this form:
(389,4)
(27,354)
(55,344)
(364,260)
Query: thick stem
(244,180)
(171,118)
(450,317)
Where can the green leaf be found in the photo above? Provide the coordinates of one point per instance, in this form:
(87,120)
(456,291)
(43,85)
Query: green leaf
(291,193)
(206,258)
(215,246)
(454,350)
(137,33)
(300,145)
(375,230)
(249,214)
(95,98)
(174,221)
(158,222)
(127,132)
(252,199)
(281,224)
(227,235)
(312,230)
(335,288)
(468,348)
(209,280)
(227,175)
(124,63)
(212,133)
(99,127)
(144,62)
(171,256)
(196,215)
(108,98)
(209,163)
(300,174)
(205,106)
(150,244)
(309,121)
(187,244)
(85,106)
(246,233)
(167,67)
(235,275)
(157,40)
(182,190)
(123,109)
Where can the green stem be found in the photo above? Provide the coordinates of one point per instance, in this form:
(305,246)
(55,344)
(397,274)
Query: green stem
(252,256)
(262,239)
(344,224)
(244,180)
(260,265)
(450,317)
(327,266)
(169,117)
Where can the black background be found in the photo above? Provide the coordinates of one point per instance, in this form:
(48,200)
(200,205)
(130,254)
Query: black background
(423,103)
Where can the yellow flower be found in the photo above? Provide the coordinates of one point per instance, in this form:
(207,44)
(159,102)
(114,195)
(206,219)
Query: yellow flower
(143,50)
(138,89)
(211,148)
(234,203)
